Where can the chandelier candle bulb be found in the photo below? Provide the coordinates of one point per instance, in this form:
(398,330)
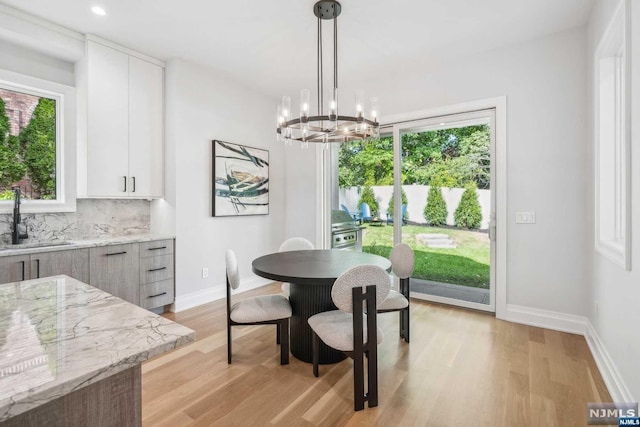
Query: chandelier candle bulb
(286,107)
(375,109)
(305,97)
(359,109)
(280,122)
(333,104)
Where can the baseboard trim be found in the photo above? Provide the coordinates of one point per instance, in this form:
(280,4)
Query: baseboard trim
(546,319)
(214,293)
(610,374)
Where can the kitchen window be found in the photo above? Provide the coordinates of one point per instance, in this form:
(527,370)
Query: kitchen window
(612,141)
(37,143)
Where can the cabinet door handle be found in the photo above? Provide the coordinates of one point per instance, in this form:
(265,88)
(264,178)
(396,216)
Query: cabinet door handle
(37,268)
(116,253)
(124,178)
(158,269)
(23,265)
(133,184)
(157,295)
(160,247)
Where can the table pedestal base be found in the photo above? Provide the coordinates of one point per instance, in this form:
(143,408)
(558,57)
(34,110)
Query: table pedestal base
(307,300)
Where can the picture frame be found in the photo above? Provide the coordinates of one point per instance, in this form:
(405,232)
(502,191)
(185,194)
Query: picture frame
(240,180)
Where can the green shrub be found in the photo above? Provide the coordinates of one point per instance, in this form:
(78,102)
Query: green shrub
(403,196)
(436,210)
(6,195)
(369,197)
(468,214)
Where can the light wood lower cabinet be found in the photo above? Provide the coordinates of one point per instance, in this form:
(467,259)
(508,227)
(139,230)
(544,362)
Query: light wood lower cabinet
(74,263)
(156,273)
(116,269)
(141,273)
(14,268)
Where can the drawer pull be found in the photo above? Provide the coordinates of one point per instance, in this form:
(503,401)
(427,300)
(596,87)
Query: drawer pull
(22,262)
(157,295)
(116,253)
(155,249)
(158,269)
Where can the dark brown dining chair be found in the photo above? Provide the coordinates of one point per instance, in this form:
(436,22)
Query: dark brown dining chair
(402,263)
(260,310)
(350,330)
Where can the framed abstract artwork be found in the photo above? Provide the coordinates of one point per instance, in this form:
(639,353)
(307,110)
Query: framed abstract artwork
(240,180)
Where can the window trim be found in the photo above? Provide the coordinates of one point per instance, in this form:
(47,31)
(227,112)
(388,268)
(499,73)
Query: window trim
(612,221)
(65,97)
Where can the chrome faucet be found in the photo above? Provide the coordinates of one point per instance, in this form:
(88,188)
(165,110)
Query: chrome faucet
(19,230)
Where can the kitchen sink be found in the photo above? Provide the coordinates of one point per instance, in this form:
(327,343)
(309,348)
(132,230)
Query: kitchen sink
(30,245)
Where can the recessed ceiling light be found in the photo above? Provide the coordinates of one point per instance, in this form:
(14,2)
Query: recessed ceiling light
(98,11)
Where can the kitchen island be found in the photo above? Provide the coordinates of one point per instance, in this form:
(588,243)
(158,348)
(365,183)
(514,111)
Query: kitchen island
(70,354)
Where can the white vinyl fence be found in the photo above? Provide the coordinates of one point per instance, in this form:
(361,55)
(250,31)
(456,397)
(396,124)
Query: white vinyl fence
(417,200)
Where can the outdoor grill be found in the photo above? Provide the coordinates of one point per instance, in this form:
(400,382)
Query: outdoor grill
(345,233)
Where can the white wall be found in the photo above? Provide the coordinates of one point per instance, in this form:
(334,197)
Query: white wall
(202,106)
(301,214)
(617,291)
(545,84)
(25,61)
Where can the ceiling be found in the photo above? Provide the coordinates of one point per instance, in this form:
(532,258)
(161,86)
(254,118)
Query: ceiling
(270,45)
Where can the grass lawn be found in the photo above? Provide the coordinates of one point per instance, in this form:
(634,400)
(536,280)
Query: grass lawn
(466,265)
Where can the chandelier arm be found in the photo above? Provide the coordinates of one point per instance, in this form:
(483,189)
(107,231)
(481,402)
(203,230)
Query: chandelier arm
(318,60)
(321,92)
(335,52)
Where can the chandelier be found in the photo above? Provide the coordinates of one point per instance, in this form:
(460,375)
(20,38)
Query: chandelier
(334,126)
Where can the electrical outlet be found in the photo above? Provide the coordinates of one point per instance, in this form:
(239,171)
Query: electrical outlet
(205,273)
(525,217)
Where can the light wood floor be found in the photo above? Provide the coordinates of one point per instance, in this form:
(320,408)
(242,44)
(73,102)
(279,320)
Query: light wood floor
(462,368)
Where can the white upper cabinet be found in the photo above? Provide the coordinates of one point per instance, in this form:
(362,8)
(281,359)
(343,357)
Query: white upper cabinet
(146,128)
(122,155)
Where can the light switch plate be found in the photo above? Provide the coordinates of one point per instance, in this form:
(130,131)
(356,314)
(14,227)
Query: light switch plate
(525,217)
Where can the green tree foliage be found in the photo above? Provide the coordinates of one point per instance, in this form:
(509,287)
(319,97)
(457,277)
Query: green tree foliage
(11,168)
(435,213)
(38,141)
(443,157)
(369,197)
(368,163)
(468,214)
(403,196)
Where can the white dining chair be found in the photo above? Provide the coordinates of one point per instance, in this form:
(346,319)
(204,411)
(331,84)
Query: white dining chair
(402,264)
(260,310)
(293,244)
(348,329)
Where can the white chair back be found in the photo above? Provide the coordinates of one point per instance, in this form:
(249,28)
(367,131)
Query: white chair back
(362,275)
(296,244)
(233,276)
(402,260)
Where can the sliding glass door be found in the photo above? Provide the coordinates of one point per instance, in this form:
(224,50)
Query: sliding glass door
(443,192)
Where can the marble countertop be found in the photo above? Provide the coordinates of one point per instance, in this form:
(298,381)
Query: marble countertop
(58,334)
(8,250)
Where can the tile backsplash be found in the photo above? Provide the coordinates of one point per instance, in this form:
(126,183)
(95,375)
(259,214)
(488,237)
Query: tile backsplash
(94,218)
